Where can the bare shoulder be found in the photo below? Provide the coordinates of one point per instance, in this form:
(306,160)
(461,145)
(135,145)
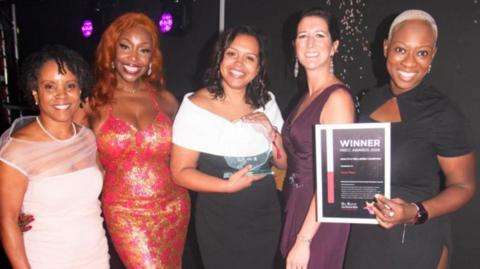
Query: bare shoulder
(201,98)
(340,96)
(168,102)
(339,108)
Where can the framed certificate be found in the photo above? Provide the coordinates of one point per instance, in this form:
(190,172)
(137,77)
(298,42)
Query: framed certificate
(352,163)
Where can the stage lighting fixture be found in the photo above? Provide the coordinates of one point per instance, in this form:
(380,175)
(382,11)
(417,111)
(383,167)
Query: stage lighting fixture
(87,28)
(165,22)
(175,17)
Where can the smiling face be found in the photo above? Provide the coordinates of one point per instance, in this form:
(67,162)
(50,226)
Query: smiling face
(133,55)
(313,44)
(240,62)
(57,94)
(409,53)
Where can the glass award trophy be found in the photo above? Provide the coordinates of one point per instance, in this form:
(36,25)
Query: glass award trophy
(261,164)
(248,144)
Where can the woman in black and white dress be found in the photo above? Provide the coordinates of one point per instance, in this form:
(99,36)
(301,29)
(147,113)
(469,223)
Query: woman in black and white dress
(225,141)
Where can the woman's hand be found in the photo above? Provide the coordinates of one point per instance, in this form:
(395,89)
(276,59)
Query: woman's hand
(299,255)
(271,133)
(24,220)
(390,212)
(185,173)
(241,180)
(262,119)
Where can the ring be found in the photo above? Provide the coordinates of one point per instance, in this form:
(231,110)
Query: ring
(391,213)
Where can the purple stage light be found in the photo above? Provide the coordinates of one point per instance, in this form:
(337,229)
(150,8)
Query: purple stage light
(87,28)
(166,22)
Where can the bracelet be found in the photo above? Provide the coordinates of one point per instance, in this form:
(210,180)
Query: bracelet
(304,238)
(422,213)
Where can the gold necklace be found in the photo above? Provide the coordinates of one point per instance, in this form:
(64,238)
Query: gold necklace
(132,91)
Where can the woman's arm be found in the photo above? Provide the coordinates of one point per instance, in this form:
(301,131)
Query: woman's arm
(459,189)
(338,109)
(13,186)
(168,102)
(278,151)
(183,164)
(459,185)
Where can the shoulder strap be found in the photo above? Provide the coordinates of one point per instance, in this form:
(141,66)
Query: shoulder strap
(155,100)
(154,96)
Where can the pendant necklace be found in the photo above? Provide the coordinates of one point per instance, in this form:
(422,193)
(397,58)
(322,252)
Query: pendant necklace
(51,135)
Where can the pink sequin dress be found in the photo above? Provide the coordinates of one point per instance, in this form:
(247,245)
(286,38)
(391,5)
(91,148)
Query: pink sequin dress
(146,213)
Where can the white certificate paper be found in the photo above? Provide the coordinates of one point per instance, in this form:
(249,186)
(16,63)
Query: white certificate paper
(352,164)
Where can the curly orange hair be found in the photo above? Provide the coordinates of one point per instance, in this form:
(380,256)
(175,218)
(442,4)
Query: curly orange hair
(105,80)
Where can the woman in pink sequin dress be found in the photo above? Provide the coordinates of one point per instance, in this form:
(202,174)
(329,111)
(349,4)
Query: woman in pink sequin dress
(146,213)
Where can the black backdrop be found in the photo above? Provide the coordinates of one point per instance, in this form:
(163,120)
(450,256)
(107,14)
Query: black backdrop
(359,62)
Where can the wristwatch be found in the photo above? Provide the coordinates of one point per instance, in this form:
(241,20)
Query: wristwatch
(422,213)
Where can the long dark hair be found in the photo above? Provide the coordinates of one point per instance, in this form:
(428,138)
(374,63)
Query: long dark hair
(333,29)
(257,93)
(331,20)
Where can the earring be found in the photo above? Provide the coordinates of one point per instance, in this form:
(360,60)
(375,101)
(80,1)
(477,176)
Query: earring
(429,69)
(332,69)
(295,68)
(149,71)
(35,99)
(113,65)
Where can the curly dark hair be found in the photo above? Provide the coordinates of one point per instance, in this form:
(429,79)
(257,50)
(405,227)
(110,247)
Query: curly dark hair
(65,58)
(257,92)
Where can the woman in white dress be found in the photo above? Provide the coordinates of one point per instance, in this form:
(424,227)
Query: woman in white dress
(48,169)
(225,141)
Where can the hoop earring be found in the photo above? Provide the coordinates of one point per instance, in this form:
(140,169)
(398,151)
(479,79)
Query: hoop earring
(149,71)
(295,68)
(429,69)
(113,65)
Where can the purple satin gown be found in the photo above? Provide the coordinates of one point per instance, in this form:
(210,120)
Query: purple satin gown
(327,248)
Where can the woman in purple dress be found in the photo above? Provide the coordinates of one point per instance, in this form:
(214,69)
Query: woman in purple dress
(305,242)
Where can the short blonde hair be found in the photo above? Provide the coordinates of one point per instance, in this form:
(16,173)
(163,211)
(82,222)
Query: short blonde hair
(413,14)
